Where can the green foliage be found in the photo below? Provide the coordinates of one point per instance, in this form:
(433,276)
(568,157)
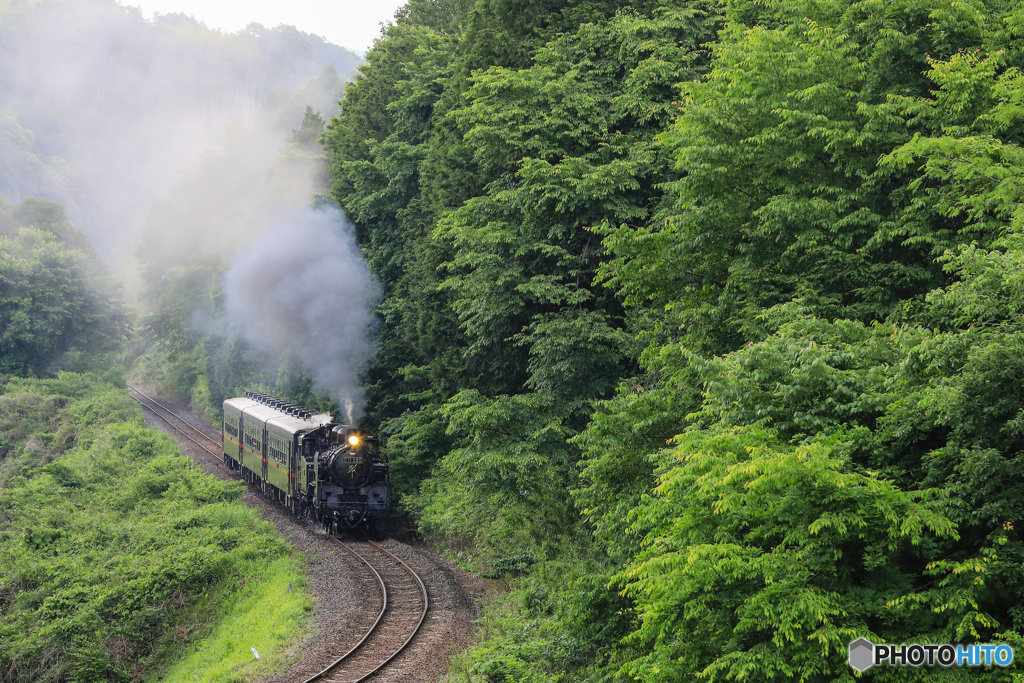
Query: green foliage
(58,307)
(310,129)
(106,548)
(869,473)
(50,217)
(376,147)
(504,487)
(577,131)
(783,194)
(494,299)
(883,494)
(767,557)
(738,282)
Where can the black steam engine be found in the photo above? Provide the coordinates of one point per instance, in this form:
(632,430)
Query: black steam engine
(328,470)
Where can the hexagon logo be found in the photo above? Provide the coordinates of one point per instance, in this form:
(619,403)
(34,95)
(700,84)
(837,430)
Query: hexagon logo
(862,654)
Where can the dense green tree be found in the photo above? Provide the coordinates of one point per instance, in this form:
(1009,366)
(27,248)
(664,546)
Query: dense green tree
(719,225)
(497,299)
(868,472)
(309,130)
(782,193)
(59,309)
(571,141)
(377,146)
(32,212)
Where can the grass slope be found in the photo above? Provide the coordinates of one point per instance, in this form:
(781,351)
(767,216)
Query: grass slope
(119,559)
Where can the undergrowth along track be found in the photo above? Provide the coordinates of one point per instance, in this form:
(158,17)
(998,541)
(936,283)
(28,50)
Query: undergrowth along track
(194,435)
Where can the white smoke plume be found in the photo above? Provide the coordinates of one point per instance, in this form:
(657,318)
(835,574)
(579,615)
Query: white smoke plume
(105,111)
(304,288)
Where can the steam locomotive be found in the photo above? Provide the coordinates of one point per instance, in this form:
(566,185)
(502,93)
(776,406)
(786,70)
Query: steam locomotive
(313,466)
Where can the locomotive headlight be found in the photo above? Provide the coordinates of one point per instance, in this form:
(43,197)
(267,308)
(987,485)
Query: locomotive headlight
(353,440)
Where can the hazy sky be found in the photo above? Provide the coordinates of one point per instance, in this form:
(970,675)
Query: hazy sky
(349,23)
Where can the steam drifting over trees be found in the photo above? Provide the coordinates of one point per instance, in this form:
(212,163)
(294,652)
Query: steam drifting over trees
(696,323)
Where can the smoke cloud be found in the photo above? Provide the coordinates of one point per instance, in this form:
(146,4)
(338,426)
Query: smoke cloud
(104,111)
(181,152)
(304,289)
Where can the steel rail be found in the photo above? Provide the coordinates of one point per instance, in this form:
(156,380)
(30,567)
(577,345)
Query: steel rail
(150,403)
(423,615)
(384,607)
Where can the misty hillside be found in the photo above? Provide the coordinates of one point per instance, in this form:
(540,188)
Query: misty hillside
(693,326)
(100,108)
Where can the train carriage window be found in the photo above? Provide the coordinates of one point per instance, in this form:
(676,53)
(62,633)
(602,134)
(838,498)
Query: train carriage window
(231,426)
(252,436)
(276,449)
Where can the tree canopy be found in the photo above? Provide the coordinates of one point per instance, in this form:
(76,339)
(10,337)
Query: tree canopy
(59,308)
(700,323)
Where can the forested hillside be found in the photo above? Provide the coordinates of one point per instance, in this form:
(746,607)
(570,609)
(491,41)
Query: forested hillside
(701,324)
(102,109)
(700,330)
(59,307)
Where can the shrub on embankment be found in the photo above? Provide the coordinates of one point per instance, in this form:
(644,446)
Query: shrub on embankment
(116,552)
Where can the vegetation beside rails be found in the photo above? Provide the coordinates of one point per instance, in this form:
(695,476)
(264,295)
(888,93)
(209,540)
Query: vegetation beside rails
(268,612)
(119,559)
(542,619)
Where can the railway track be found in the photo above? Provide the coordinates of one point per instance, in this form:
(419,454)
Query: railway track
(177,424)
(404,598)
(404,607)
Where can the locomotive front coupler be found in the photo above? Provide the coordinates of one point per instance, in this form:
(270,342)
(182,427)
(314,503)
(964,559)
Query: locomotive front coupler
(348,518)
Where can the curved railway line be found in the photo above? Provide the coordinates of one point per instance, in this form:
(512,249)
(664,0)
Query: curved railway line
(404,598)
(403,595)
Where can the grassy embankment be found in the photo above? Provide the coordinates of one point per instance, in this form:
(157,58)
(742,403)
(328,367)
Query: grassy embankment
(120,560)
